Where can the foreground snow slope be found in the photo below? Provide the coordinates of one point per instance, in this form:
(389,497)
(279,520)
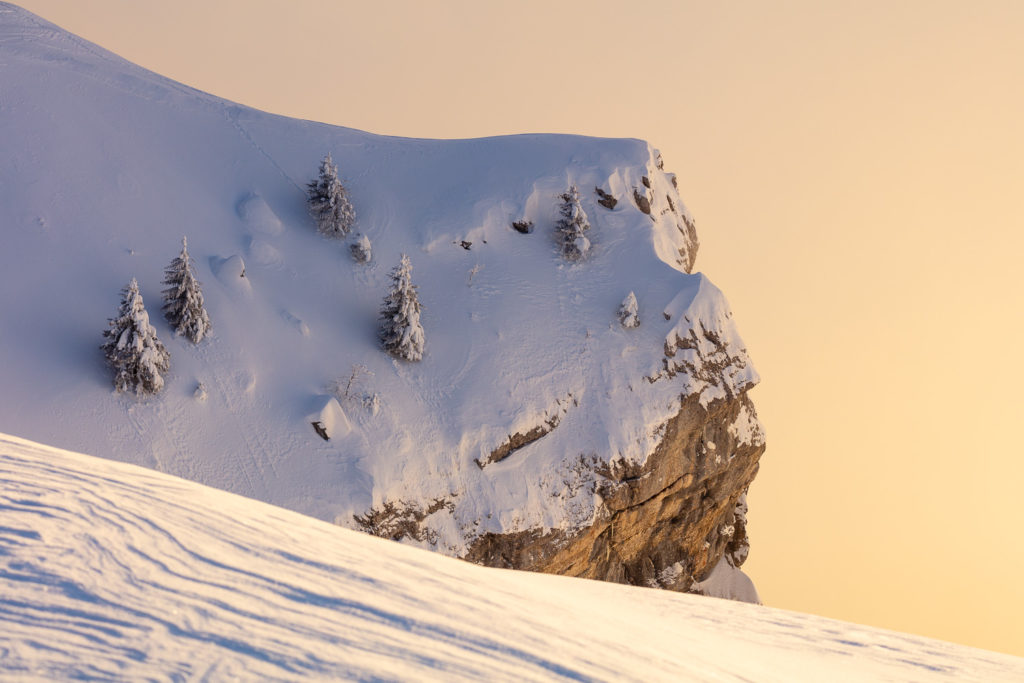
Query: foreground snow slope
(111,570)
(104,166)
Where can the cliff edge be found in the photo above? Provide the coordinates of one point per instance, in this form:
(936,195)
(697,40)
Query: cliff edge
(537,431)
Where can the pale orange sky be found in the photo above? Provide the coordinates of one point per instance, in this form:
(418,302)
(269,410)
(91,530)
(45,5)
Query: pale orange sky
(856,170)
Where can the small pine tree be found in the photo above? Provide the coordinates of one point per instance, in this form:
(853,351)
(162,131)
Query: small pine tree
(328,202)
(361,250)
(628,312)
(132,349)
(401,333)
(572,226)
(183,298)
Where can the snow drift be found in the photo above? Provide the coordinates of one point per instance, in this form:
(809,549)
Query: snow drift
(112,571)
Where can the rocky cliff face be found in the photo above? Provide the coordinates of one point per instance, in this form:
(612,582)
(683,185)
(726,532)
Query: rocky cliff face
(666,523)
(667,520)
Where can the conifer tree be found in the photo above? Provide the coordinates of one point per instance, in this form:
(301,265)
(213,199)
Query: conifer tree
(132,348)
(361,250)
(183,298)
(328,202)
(401,333)
(572,226)
(628,312)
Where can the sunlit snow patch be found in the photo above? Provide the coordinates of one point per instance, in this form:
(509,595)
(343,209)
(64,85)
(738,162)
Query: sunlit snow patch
(110,571)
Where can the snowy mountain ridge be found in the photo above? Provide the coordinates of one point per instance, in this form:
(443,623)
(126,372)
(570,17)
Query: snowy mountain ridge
(112,571)
(107,166)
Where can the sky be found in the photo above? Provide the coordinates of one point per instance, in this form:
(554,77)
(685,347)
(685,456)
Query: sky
(855,170)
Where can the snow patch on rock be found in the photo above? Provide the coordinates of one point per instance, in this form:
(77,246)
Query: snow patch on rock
(747,429)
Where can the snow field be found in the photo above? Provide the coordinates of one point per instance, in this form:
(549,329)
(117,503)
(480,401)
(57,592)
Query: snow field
(112,571)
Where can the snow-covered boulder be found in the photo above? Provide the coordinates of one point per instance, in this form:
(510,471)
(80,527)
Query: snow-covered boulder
(328,419)
(230,271)
(258,216)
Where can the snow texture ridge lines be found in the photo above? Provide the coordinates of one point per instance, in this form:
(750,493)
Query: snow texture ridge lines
(111,571)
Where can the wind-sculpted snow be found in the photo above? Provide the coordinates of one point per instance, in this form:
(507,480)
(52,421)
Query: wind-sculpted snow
(112,571)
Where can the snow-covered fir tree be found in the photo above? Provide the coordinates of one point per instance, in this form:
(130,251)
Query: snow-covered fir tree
(329,203)
(629,312)
(183,298)
(139,359)
(401,333)
(572,226)
(361,250)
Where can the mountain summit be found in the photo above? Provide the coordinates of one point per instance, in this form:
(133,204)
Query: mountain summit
(534,430)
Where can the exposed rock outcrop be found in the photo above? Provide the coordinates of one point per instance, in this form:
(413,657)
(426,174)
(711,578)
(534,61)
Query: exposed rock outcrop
(672,517)
(664,524)
(398,521)
(523,439)
(642,202)
(675,519)
(605,199)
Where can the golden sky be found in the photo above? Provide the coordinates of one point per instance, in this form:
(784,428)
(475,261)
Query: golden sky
(857,174)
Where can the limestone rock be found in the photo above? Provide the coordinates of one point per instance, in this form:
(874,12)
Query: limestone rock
(666,524)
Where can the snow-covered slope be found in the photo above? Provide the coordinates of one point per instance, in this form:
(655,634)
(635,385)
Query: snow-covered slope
(105,166)
(108,570)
